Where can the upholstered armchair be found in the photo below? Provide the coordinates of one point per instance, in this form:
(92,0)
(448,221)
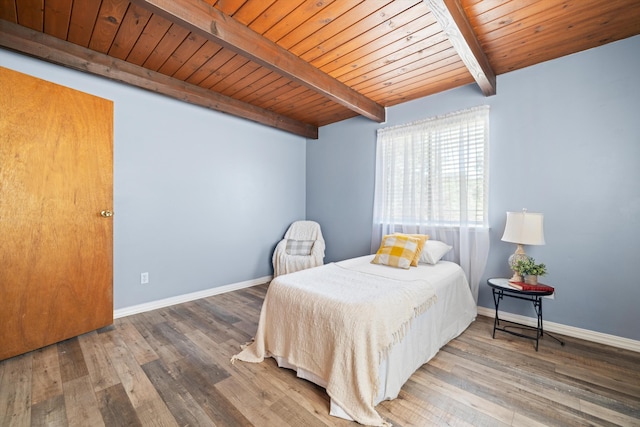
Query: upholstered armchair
(302,247)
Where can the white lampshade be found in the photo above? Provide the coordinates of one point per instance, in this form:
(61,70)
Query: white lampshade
(524,228)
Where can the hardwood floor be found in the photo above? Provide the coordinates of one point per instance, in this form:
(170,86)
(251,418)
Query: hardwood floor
(170,367)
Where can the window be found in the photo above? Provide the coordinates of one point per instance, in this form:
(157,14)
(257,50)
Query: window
(434,172)
(432,177)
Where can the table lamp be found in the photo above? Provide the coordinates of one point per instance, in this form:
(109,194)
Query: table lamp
(522,228)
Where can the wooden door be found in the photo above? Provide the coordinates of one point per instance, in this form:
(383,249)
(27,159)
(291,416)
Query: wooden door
(56,249)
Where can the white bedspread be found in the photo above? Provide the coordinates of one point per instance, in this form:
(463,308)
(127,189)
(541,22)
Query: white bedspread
(338,322)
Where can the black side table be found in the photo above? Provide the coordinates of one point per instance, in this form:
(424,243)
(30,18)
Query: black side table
(501,289)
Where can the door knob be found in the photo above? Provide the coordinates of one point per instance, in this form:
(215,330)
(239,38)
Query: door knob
(106,214)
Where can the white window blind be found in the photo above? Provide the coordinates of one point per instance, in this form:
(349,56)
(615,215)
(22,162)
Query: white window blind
(435,171)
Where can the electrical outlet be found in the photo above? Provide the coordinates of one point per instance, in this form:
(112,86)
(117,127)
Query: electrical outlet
(144,278)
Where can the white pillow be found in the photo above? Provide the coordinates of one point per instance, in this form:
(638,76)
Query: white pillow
(433,251)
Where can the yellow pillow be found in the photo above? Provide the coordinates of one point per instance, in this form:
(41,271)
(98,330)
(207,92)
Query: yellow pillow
(396,251)
(423,238)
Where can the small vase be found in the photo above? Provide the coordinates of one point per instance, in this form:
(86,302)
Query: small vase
(531,279)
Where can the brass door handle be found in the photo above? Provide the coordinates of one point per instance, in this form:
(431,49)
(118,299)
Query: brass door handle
(106,214)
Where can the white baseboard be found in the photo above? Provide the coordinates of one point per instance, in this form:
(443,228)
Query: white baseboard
(153,305)
(571,331)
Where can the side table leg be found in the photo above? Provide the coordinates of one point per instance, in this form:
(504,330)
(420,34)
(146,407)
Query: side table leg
(497,296)
(537,305)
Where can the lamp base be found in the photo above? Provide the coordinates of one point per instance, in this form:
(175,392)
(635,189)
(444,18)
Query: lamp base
(518,255)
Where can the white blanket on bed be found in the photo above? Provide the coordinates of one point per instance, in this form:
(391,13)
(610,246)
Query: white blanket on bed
(338,324)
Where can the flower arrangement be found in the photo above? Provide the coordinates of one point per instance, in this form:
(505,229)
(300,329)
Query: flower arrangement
(528,267)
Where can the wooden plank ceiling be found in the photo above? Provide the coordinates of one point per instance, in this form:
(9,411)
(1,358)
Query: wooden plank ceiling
(298,65)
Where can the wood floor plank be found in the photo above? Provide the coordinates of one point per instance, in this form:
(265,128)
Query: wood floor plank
(238,303)
(149,406)
(80,403)
(279,382)
(609,415)
(72,363)
(15,390)
(255,381)
(445,363)
(465,395)
(220,353)
(178,399)
(603,378)
(196,318)
(249,400)
(197,358)
(595,354)
(101,371)
(166,352)
(201,384)
(441,409)
(155,413)
(508,381)
(268,389)
(116,408)
(269,383)
(217,311)
(142,351)
(505,395)
(202,317)
(436,411)
(249,328)
(534,405)
(290,410)
(520,420)
(171,366)
(312,398)
(50,412)
(46,380)
(562,386)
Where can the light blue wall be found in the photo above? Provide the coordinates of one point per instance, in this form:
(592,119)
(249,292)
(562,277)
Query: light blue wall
(200,197)
(565,141)
(340,184)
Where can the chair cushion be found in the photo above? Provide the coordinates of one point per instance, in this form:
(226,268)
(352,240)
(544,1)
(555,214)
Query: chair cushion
(299,247)
(396,251)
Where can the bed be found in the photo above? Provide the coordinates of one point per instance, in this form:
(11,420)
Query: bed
(360,330)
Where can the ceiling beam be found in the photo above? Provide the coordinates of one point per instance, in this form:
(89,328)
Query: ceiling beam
(207,21)
(457,27)
(51,49)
